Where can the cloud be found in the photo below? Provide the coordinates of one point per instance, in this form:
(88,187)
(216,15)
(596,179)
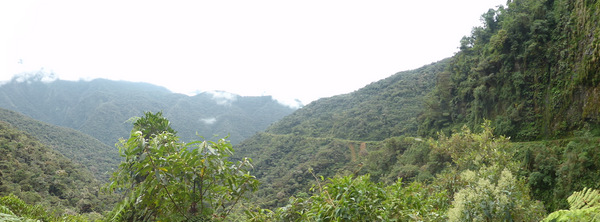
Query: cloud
(289,102)
(223,98)
(39,76)
(209,121)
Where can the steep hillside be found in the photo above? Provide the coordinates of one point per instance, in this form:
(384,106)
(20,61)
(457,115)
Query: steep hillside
(101,108)
(99,158)
(38,174)
(533,69)
(335,135)
(382,109)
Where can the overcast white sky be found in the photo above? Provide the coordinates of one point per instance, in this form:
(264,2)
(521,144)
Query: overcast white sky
(303,50)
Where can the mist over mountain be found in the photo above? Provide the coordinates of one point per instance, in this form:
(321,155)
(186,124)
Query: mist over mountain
(102,107)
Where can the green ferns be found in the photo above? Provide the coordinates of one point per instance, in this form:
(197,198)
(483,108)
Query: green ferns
(584,206)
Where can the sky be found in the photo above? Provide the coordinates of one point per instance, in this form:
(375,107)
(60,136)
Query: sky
(302,50)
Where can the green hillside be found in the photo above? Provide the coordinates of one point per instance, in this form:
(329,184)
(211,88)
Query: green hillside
(100,108)
(99,158)
(326,135)
(508,129)
(370,113)
(38,174)
(532,69)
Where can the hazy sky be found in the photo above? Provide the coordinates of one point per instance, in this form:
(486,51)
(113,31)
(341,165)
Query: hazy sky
(289,49)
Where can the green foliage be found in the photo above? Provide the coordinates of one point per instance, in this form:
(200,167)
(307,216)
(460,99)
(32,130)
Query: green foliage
(97,157)
(557,168)
(11,205)
(345,198)
(472,151)
(281,163)
(14,209)
(359,199)
(370,113)
(532,69)
(587,198)
(164,179)
(493,196)
(39,175)
(585,206)
(486,189)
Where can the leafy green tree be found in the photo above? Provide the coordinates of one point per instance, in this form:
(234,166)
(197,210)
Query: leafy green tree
(164,179)
(490,196)
(359,199)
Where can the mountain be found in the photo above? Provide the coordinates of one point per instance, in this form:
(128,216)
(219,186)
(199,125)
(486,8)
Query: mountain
(99,158)
(102,107)
(370,113)
(336,135)
(38,174)
(532,69)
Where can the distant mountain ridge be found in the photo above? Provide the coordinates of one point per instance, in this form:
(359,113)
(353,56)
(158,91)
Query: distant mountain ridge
(102,107)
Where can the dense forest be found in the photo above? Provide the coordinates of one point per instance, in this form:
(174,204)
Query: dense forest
(101,108)
(34,173)
(81,148)
(508,129)
(532,69)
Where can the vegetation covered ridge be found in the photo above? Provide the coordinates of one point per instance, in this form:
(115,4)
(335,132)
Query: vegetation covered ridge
(101,107)
(533,69)
(99,158)
(32,173)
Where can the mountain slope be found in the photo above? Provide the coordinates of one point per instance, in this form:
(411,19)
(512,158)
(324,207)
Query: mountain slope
(533,69)
(101,108)
(38,174)
(382,109)
(336,135)
(99,158)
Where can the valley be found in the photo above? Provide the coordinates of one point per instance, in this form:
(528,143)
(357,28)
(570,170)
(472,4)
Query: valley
(506,129)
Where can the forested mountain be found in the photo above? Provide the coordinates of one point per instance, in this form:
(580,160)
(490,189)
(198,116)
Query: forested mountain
(102,107)
(505,130)
(332,135)
(99,158)
(370,113)
(38,174)
(532,69)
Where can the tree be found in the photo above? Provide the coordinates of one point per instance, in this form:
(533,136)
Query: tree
(490,196)
(352,198)
(166,180)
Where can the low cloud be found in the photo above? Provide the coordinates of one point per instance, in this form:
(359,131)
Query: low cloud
(39,76)
(289,102)
(209,121)
(223,98)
